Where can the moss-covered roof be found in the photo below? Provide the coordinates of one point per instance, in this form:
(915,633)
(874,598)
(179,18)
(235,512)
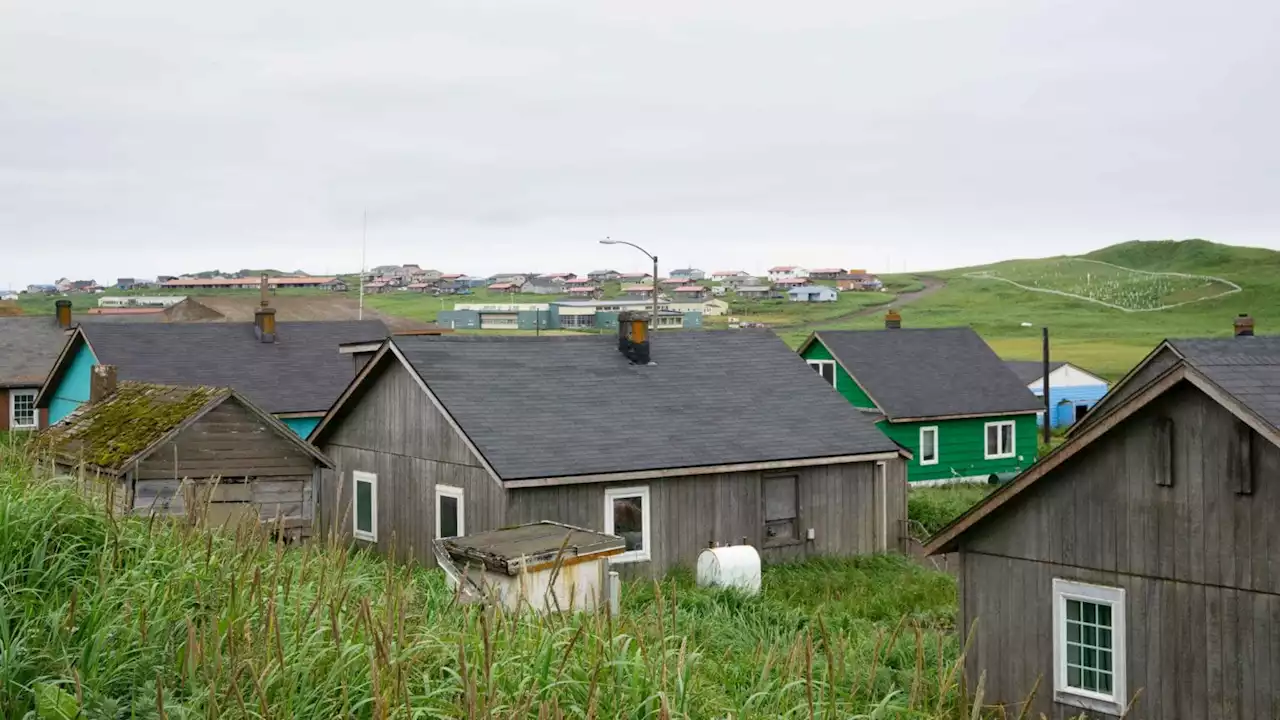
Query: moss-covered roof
(109,433)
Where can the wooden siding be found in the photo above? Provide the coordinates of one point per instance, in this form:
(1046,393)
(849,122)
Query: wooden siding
(1192,651)
(395,432)
(249,459)
(690,513)
(845,384)
(1199,561)
(962,447)
(1159,363)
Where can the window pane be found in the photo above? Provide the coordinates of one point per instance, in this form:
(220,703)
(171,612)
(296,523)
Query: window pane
(1073,609)
(1089,657)
(628,521)
(364,506)
(448,516)
(1104,639)
(1073,677)
(1104,615)
(929,444)
(1006,439)
(993,440)
(1089,634)
(1104,682)
(1073,654)
(780,498)
(829,373)
(1089,680)
(1090,612)
(1104,660)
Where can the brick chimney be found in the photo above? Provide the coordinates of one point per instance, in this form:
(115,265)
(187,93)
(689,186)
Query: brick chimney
(264,318)
(892,320)
(62,311)
(1243,325)
(102,383)
(633,337)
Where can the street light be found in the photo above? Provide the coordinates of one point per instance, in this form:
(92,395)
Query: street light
(653,321)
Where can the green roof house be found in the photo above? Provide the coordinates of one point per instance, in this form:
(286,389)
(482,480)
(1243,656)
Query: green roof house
(942,393)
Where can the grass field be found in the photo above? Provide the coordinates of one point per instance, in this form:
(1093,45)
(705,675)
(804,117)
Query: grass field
(105,617)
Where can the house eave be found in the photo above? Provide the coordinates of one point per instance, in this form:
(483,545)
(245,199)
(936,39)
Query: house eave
(962,416)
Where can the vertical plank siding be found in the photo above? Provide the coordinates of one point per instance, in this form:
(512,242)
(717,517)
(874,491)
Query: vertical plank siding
(1151,507)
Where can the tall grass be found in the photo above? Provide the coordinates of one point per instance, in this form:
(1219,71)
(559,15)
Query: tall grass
(112,617)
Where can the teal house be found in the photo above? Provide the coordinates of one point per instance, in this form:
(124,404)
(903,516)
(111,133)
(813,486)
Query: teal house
(941,393)
(293,370)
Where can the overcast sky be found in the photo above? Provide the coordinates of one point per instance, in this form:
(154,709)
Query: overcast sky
(140,137)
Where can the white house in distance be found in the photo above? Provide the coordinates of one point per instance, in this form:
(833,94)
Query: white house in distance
(1072,390)
(787,272)
(692,274)
(724,275)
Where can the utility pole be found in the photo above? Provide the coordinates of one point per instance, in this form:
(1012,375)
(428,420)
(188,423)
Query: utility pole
(364,253)
(1048,407)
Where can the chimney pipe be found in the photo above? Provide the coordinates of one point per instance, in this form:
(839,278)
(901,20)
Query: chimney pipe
(264,318)
(62,311)
(892,320)
(102,383)
(1243,325)
(633,337)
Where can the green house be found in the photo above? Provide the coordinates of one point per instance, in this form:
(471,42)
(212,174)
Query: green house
(942,393)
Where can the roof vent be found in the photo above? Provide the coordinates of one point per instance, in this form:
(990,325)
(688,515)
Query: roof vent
(1244,325)
(633,337)
(892,320)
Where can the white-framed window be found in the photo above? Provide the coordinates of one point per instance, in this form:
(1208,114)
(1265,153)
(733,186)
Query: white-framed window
(22,410)
(1089,646)
(364,515)
(998,442)
(626,513)
(450,511)
(825,368)
(929,445)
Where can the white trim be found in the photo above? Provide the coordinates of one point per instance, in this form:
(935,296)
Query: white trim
(646,527)
(458,494)
(934,430)
(821,364)
(705,470)
(359,476)
(1114,702)
(14,393)
(1013,440)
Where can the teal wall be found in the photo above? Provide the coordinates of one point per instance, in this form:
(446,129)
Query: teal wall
(73,389)
(302,426)
(962,447)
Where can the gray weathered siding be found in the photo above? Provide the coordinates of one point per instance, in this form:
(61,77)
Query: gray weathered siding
(1161,362)
(397,433)
(690,513)
(1200,564)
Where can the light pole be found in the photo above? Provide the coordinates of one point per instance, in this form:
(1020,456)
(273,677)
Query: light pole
(653,321)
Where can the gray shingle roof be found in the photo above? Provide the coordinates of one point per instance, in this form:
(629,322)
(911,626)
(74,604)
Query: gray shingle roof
(301,372)
(1246,367)
(28,348)
(1029,371)
(539,407)
(930,372)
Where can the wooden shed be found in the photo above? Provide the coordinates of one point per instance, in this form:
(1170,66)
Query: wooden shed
(197,452)
(1133,572)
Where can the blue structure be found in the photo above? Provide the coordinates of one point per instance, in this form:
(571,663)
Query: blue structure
(73,391)
(1072,390)
(813,293)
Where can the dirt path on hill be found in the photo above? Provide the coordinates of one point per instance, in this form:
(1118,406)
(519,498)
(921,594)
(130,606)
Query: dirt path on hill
(931,286)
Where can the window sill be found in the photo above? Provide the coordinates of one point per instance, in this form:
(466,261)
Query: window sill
(1010,456)
(1088,701)
(365,537)
(629,557)
(927,463)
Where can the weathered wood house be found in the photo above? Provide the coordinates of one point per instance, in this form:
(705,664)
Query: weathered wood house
(457,435)
(188,451)
(1139,563)
(940,392)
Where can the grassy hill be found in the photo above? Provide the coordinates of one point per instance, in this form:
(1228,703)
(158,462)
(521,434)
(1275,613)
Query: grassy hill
(1104,339)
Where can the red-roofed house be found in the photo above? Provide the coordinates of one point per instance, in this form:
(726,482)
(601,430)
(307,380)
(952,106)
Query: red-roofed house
(577,282)
(722,275)
(644,291)
(503,287)
(691,292)
(584,291)
(634,277)
(673,282)
(782,272)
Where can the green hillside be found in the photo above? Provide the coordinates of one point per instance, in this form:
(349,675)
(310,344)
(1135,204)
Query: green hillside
(1106,340)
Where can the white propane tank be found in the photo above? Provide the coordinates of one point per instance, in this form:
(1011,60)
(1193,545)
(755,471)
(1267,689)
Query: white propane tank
(733,566)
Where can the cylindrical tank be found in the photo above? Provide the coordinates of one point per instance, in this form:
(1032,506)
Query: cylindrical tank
(733,566)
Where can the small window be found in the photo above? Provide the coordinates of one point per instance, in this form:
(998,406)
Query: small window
(1088,643)
(626,514)
(825,368)
(450,509)
(781,509)
(929,445)
(364,519)
(999,440)
(22,409)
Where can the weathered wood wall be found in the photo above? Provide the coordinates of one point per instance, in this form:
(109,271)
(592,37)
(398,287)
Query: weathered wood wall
(1154,368)
(396,433)
(234,464)
(1200,562)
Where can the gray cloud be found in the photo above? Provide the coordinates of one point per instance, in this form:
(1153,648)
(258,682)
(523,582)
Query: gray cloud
(141,136)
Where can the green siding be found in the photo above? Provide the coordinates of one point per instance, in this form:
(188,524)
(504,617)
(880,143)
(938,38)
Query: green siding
(962,447)
(844,381)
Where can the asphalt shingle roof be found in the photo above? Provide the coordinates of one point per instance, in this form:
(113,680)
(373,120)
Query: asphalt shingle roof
(1246,367)
(558,406)
(302,371)
(930,372)
(28,348)
(1029,371)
